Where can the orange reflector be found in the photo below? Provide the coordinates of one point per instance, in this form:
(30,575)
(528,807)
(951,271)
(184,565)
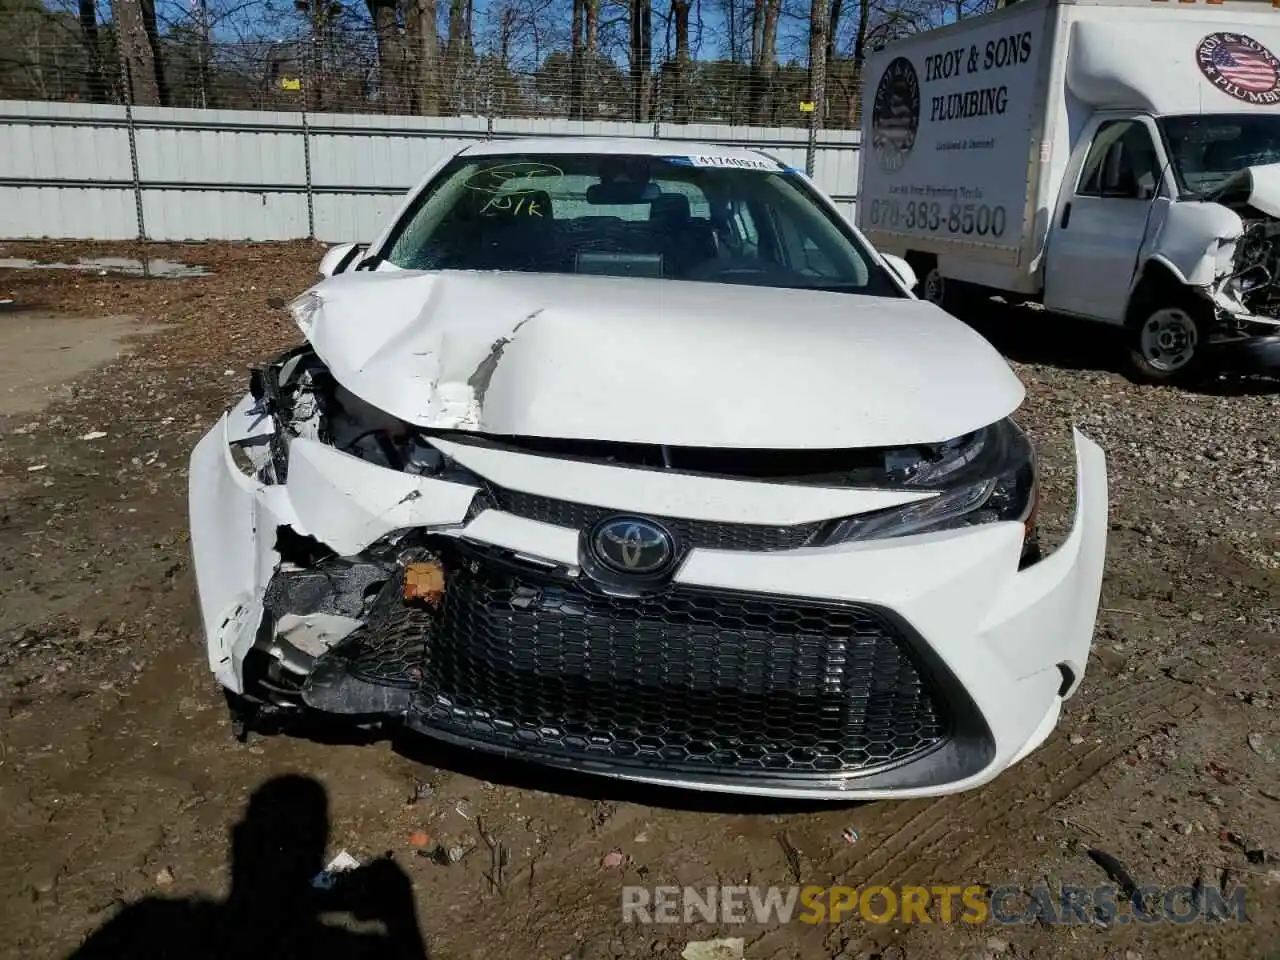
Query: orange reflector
(424,581)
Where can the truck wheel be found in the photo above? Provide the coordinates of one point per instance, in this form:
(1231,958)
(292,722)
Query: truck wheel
(953,296)
(1166,342)
(933,287)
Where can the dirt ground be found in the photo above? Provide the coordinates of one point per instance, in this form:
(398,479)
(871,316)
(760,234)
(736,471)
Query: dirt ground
(120,779)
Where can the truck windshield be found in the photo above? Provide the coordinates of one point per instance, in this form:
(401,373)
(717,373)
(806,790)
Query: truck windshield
(678,218)
(1206,149)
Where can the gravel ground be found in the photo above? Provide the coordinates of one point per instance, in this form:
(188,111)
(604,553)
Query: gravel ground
(120,780)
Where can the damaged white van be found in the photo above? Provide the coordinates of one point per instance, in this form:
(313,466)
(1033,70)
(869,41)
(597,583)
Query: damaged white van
(645,465)
(1116,160)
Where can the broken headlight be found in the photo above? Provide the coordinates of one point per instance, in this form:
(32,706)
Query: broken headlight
(303,309)
(983,477)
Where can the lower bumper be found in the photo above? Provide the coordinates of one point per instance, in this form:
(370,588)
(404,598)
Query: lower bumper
(1248,355)
(1010,645)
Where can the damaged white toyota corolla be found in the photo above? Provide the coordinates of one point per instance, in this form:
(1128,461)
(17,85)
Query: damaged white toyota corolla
(648,466)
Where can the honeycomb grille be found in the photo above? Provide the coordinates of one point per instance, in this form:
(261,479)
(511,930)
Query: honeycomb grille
(689,680)
(707,534)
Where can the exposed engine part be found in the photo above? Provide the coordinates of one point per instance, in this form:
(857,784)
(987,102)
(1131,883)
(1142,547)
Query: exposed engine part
(304,400)
(1256,280)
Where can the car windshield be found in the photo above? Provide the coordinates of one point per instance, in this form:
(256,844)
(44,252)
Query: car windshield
(678,218)
(1206,149)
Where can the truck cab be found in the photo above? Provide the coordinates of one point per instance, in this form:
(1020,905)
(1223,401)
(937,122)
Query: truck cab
(1167,225)
(1116,160)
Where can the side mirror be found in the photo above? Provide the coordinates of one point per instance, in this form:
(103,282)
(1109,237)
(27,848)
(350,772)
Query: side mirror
(902,269)
(340,258)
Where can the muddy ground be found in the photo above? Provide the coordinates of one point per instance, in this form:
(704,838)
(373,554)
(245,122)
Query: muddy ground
(120,780)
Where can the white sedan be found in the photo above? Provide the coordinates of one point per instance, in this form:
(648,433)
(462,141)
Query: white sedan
(634,458)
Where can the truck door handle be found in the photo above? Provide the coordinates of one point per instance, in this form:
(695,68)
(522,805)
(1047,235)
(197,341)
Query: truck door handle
(1066,216)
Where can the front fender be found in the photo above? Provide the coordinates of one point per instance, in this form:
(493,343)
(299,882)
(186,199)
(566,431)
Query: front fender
(1194,240)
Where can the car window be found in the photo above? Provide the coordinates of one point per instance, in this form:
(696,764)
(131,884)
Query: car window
(1121,163)
(643,216)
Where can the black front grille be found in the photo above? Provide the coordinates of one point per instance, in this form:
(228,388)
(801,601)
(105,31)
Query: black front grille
(708,534)
(689,680)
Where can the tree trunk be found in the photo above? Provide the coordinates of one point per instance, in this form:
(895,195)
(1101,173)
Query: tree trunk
(427,53)
(818,43)
(590,64)
(757,32)
(766,60)
(153,41)
(458,52)
(593,26)
(680,13)
(641,57)
(577,73)
(390,82)
(833,30)
(136,52)
(859,61)
(95,83)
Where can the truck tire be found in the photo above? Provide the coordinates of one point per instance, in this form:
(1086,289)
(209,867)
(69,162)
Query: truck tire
(933,287)
(1167,339)
(953,296)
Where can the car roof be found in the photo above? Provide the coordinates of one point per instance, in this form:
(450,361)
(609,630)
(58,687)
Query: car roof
(607,145)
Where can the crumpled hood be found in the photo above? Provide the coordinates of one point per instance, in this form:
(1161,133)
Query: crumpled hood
(657,361)
(1260,184)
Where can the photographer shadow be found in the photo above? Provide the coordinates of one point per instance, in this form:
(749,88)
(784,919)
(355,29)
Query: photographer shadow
(273,910)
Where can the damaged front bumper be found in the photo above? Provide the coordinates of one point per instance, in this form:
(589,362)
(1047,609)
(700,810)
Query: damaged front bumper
(913,666)
(1250,351)
(1242,342)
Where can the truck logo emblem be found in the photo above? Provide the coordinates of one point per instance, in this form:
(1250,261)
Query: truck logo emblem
(895,114)
(631,545)
(1240,67)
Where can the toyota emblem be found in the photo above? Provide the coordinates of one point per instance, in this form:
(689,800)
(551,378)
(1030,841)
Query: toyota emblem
(632,545)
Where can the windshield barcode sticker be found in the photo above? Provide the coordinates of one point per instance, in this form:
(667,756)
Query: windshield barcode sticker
(741,163)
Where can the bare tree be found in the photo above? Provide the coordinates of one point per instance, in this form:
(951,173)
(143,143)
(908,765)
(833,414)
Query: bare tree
(764,57)
(95,82)
(387,30)
(818,46)
(641,57)
(829,55)
(458,52)
(426,53)
(137,37)
(680,14)
(577,58)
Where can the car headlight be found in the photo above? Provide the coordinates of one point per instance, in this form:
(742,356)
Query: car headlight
(304,310)
(983,477)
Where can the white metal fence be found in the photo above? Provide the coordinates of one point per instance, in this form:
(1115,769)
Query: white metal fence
(100,172)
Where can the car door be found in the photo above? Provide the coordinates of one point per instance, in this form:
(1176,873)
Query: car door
(1102,222)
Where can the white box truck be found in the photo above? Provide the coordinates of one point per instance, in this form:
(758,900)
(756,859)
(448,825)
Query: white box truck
(1116,160)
